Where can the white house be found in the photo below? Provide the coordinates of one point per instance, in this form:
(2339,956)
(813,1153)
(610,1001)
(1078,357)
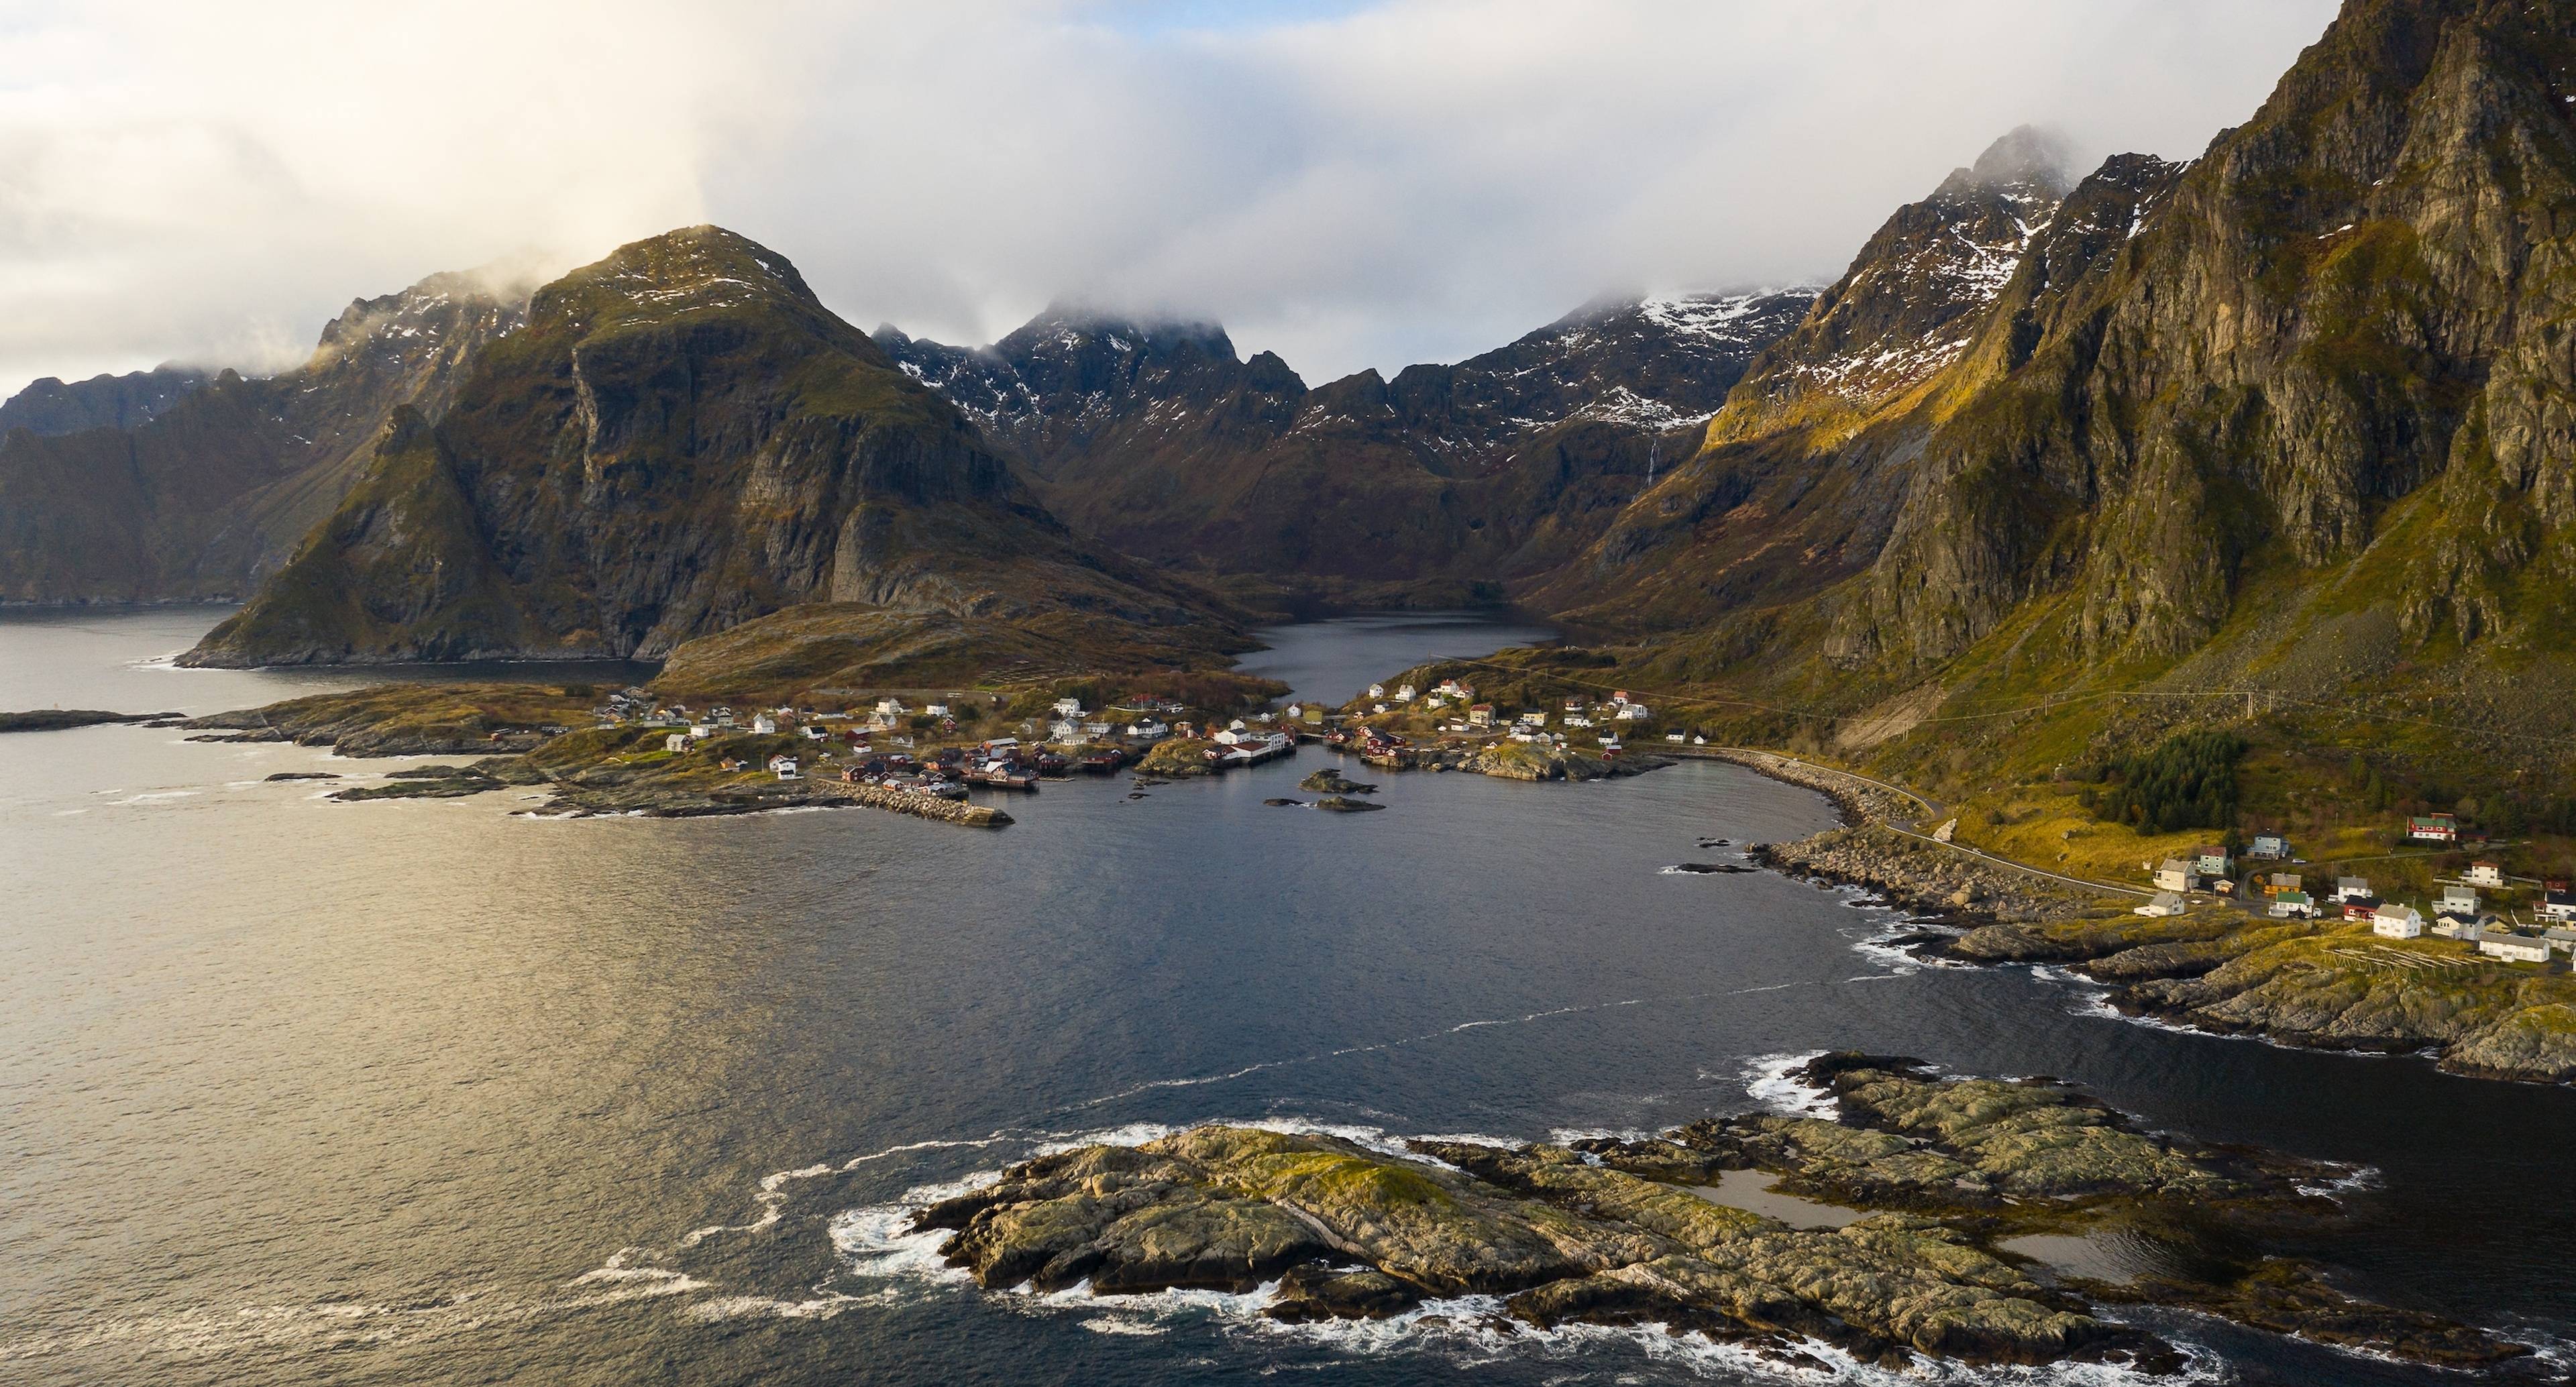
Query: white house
(785,766)
(1673,736)
(2462,927)
(1296,711)
(702,729)
(2394,921)
(2352,888)
(1534,719)
(2484,874)
(1377,691)
(936,710)
(2271,846)
(1634,712)
(676,742)
(1577,720)
(814,733)
(1068,707)
(890,707)
(1404,694)
(1061,731)
(2293,905)
(764,725)
(2515,948)
(2558,905)
(2457,900)
(2165,903)
(2177,875)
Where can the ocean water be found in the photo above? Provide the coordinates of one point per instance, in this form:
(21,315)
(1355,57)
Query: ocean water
(437,1092)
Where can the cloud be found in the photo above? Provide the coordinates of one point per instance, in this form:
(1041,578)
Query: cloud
(1349,184)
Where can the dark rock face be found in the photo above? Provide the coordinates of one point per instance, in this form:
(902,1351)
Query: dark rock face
(52,407)
(206,494)
(682,439)
(1157,438)
(1787,493)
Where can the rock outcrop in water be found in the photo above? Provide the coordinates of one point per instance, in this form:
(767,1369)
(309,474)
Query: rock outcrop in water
(1627,1232)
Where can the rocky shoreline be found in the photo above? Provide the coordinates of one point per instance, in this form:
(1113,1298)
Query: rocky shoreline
(59,719)
(2325,985)
(1901,1248)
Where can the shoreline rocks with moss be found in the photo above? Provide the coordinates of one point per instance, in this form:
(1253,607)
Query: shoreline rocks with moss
(1938,1175)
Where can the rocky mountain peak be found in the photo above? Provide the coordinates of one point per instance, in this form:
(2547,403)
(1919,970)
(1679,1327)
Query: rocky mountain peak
(2029,159)
(658,279)
(50,407)
(1912,299)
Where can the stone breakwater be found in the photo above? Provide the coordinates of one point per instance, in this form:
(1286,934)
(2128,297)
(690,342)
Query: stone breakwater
(1859,800)
(1926,877)
(1935,1176)
(922,806)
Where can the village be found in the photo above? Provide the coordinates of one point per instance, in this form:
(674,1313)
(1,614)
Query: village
(2490,914)
(946,745)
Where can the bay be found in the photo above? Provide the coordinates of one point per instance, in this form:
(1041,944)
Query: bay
(427,1091)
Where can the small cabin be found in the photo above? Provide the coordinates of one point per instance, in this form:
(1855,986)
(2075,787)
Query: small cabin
(2165,903)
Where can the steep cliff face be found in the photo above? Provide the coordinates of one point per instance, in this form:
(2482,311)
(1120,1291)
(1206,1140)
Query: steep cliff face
(54,407)
(1910,302)
(204,497)
(680,440)
(1800,475)
(2363,294)
(1159,440)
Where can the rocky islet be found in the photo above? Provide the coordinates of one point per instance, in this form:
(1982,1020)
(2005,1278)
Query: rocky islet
(1626,1232)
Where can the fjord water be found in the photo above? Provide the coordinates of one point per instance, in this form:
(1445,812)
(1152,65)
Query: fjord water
(301,1092)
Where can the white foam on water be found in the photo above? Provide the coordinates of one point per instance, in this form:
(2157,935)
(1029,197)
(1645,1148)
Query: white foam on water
(744,1307)
(1767,1079)
(1141,1328)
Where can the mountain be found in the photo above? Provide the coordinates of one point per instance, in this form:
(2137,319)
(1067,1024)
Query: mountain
(1798,477)
(206,495)
(51,407)
(1161,441)
(683,441)
(2279,442)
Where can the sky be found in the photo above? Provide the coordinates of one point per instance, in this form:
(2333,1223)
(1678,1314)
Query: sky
(1349,183)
